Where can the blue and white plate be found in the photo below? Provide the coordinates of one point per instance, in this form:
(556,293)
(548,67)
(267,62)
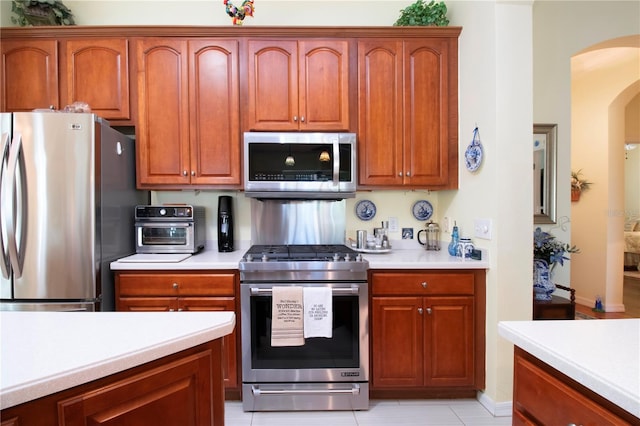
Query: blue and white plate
(422,210)
(365,209)
(474,152)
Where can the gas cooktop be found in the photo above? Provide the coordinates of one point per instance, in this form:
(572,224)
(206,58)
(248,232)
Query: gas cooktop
(300,252)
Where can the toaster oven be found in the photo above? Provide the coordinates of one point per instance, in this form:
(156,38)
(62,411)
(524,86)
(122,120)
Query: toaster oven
(170,229)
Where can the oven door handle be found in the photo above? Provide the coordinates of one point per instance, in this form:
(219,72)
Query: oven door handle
(354,289)
(355,390)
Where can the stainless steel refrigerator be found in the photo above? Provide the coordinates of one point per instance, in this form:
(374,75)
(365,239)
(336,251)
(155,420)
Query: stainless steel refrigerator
(67,198)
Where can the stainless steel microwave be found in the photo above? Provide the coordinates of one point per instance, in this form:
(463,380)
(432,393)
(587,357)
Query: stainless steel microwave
(300,165)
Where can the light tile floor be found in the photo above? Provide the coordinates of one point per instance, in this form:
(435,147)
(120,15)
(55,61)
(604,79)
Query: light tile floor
(381,413)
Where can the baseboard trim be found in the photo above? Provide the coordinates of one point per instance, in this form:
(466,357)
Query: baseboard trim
(497,409)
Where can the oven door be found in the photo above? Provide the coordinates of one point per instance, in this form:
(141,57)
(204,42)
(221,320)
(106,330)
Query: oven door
(164,237)
(342,358)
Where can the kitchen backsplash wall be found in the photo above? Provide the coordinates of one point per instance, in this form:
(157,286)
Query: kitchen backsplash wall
(389,204)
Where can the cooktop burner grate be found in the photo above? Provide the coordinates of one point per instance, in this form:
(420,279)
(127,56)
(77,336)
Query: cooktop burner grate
(314,252)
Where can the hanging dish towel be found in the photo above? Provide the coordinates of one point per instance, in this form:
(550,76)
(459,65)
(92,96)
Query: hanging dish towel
(318,312)
(286,316)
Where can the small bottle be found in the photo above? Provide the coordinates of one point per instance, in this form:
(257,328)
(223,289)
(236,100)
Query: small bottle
(455,239)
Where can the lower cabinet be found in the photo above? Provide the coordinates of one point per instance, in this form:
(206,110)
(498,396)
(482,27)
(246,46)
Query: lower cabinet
(543,395)
(427,332)
(185,291)
(180,389)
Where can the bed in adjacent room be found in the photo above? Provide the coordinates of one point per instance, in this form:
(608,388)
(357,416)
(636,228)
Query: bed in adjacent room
(632,247)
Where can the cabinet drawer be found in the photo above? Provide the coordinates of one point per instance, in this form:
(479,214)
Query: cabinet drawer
(421,283)
(539,395)
(176,284)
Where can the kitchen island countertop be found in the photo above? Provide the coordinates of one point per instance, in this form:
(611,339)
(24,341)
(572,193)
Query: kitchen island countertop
(602,355)
(403,258)
(46,352)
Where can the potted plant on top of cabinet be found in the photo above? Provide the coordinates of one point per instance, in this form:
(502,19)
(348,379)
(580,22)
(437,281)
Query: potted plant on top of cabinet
(41,12)
(423,14)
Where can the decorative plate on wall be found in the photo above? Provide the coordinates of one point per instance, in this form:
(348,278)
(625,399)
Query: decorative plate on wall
(474,152)
(365,209)
(422,210)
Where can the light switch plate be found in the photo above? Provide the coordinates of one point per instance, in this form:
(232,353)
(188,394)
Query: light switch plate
(482,228)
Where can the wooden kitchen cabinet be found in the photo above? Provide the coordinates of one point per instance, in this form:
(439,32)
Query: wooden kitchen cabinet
(298,85)
(180,389)
(544,395)
(29,75)
(427,332)
(96,71)
(408,112)
(188,113)
(190,291)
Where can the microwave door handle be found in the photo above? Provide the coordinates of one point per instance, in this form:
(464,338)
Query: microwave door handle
(16,158)
(4,256)
(336,163)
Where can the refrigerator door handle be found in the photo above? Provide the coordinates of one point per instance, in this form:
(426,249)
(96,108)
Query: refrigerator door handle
(16,254)
(4,159)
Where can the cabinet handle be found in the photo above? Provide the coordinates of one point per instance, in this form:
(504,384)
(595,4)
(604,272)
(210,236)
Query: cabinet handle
(302,119)
(193,172)
(171,310)
(420,311)
(400,174)
(175,285)
(184,173)
(179,309)
(408,173)
(429,311)
(295,118)
(424,284)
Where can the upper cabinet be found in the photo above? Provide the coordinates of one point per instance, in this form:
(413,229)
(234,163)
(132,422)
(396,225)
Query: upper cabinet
(298,85)
(408,112)
(55,73)
(29,75)
(188,129)
(97,72)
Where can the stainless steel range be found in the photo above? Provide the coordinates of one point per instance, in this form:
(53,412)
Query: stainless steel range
(323,373)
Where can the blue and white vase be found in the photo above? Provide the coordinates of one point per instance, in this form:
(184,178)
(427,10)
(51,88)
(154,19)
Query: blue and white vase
(543,287)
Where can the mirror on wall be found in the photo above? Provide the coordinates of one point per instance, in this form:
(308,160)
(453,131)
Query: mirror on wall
(544,173)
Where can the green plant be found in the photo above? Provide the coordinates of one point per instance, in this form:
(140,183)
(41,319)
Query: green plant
(41,12)
(578,183)
(423,14)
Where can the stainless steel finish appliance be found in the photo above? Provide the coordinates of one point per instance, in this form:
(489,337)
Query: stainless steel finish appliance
(300,165)
(67,193)
(324,373)
(170,229)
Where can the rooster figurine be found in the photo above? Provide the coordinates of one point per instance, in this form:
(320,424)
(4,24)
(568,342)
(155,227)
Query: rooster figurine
(238,13)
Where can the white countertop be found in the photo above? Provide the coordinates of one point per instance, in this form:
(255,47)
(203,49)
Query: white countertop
(603,355)
(411,258)
(46,352)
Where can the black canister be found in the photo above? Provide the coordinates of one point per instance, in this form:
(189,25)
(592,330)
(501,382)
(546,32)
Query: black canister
(225,224)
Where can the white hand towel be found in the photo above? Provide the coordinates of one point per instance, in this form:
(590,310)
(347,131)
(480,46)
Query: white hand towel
(318,312)
(286,316)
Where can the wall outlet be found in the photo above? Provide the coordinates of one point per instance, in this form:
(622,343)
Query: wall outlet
(393,224)
(482,228)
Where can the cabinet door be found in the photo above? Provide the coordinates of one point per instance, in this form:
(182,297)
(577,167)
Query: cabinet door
(396,342)
(426,112)
(229,342)
(179,393)
(323,79)
(273,85)
(449,344)
(380,126)
(29,75)
(97,72)
(214,112)
(163,112)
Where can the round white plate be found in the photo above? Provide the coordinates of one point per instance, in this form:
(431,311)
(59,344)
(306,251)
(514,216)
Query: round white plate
(381,250)
(365,209)
(422,210)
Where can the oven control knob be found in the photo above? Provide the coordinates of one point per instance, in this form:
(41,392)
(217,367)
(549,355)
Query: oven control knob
(336,257)
(162,212)
(359,257)
(347,257)
(249,258)
(265,258)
